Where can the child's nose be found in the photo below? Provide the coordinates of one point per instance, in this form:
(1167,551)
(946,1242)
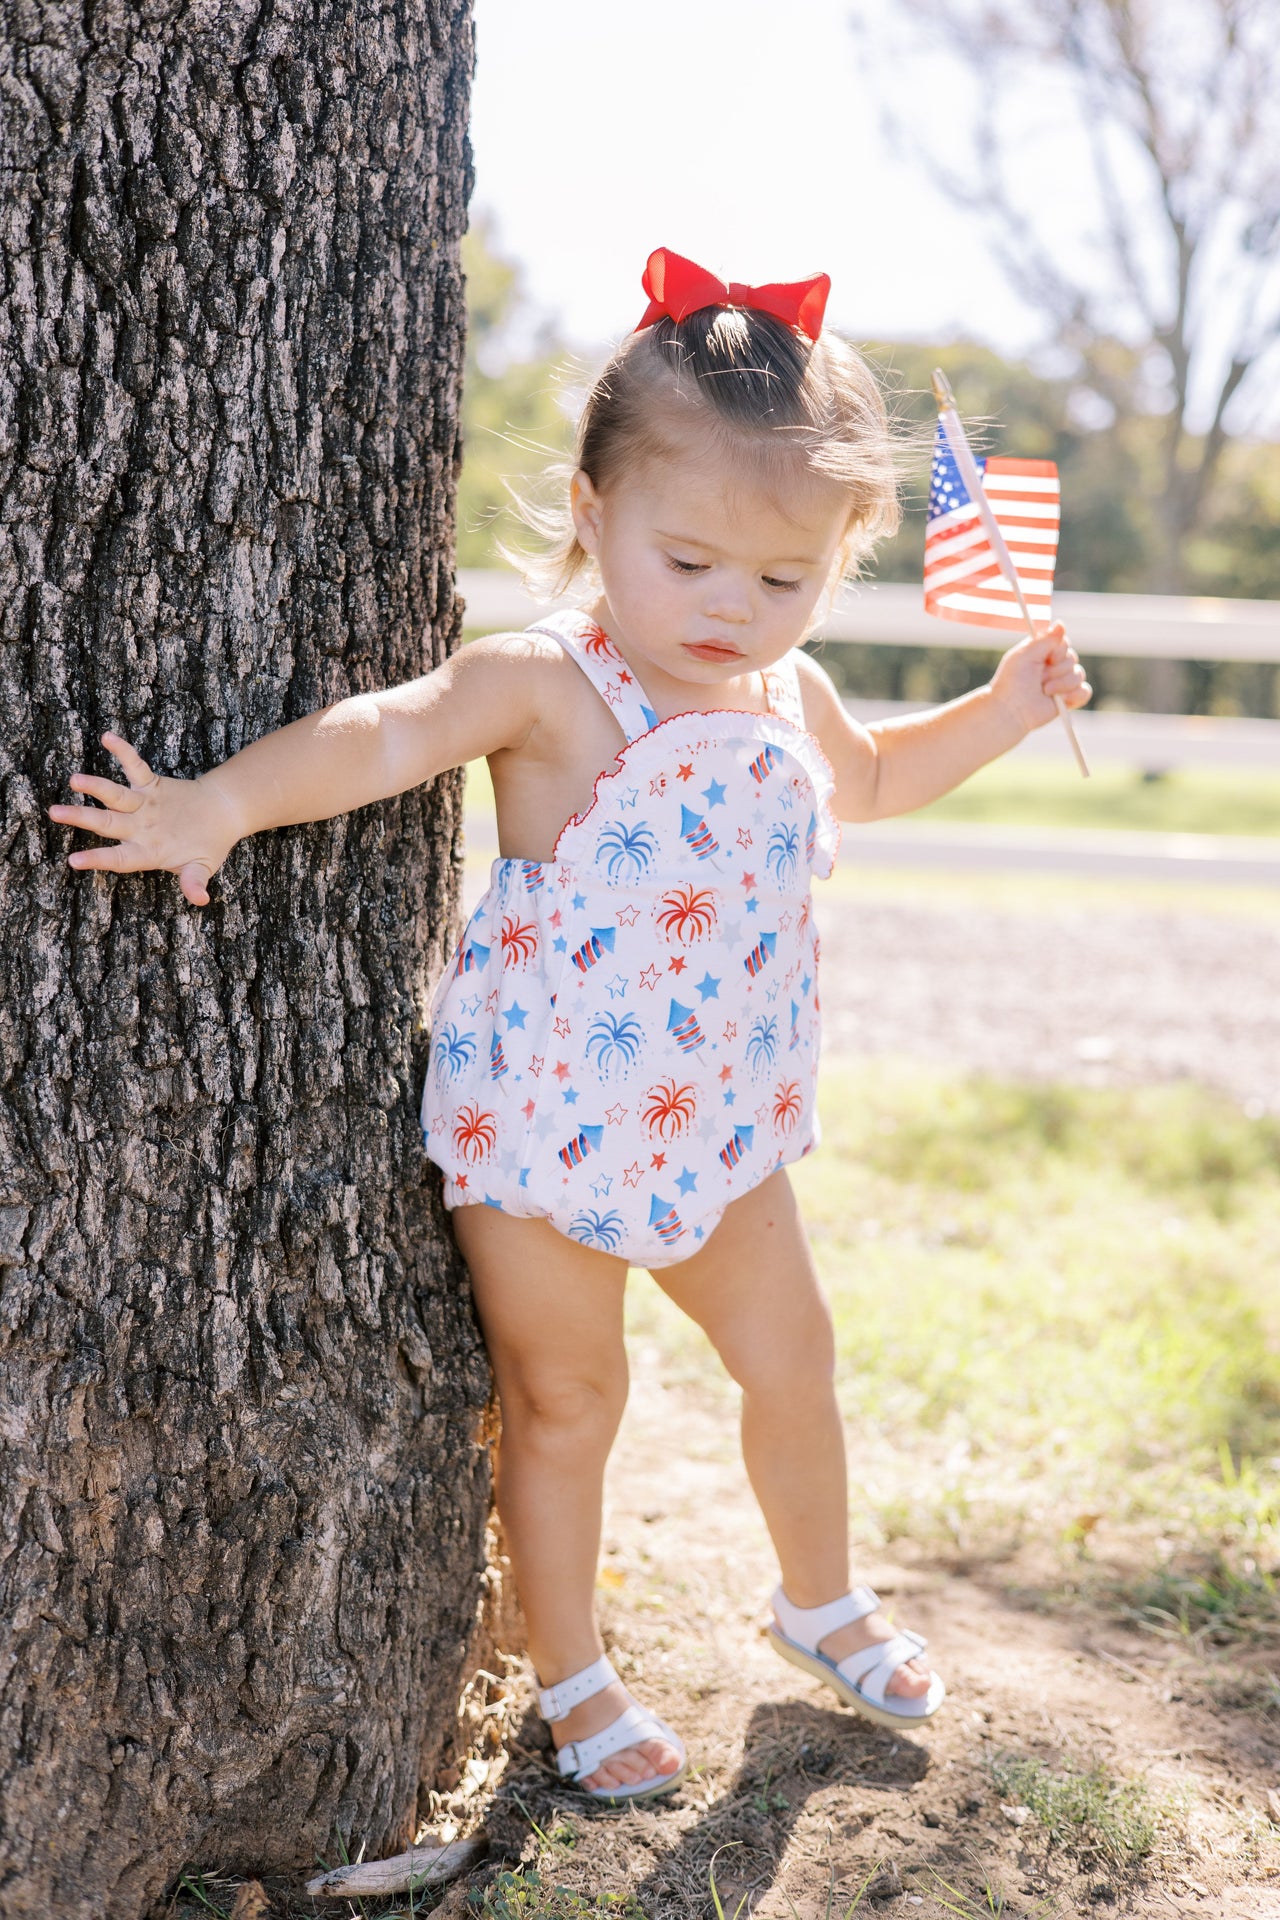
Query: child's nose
(728,599)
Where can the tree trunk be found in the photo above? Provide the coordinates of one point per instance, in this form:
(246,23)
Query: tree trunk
(244,1491)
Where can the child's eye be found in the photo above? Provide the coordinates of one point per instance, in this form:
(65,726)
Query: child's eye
(786,586)
(683,566)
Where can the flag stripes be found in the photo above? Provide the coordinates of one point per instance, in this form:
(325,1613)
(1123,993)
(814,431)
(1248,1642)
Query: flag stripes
(962,574)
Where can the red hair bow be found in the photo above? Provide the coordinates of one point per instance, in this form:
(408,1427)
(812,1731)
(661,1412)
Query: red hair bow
(677,288)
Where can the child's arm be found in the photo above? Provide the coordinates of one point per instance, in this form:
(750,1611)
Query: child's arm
(894,766)
(361,749)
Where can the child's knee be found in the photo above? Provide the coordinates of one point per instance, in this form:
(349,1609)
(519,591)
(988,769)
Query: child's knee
(568,1407)
(797,1367)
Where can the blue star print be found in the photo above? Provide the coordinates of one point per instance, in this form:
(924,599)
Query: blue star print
(707,987)
(517,1015)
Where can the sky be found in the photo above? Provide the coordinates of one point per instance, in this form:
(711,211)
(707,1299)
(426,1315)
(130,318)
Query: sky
(742,133)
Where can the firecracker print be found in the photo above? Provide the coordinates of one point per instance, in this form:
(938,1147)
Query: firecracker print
(627,1036)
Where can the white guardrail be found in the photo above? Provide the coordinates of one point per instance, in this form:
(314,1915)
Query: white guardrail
(1114,625)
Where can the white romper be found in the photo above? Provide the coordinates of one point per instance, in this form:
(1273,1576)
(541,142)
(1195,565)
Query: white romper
(627,1036)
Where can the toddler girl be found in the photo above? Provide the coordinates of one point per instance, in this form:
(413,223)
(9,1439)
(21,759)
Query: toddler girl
(623,1048)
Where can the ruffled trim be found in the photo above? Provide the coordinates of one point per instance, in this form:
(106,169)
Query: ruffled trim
(770,728)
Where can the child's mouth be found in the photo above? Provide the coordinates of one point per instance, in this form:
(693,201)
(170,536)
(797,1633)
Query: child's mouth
(711,650)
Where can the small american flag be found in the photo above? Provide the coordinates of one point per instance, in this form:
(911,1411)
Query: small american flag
(962,576)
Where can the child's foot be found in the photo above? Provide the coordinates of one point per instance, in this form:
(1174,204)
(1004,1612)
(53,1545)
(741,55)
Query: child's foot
(849,1645)
(910,1680)
(630,1764)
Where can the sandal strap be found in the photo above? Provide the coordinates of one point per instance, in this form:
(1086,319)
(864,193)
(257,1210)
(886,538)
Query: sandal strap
(871,1668)
(808,1625)
(555,1702)
(581,1757)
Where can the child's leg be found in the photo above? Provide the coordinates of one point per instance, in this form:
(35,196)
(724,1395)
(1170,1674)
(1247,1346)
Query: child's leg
(753,1289)
(551,1311)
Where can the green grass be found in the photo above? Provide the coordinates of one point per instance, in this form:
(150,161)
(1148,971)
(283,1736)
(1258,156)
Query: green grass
(1116,1823)
(525,1895)
(1057,1316)
(1033,793)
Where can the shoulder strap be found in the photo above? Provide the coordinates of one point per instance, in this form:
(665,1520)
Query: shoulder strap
(604,667)
(782,685)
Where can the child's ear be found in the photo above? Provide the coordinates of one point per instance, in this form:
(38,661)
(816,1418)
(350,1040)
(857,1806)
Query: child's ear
(585,505)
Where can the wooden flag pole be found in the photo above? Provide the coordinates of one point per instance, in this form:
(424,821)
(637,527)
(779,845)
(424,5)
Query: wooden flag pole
(958,442)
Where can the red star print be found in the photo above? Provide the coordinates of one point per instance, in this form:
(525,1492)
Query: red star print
(461,1181)
(491,1003)
(562,1026)
(726,1073)
(748,879)
(658,1160)
(649,978)
(730,1029)
(535,1066)
(615,1115)
(744,836)
(658,783)
(561,1071)
(625,677)
(527,1109)
(676,965)
(631,1174)
(628,916)
(613,693)
(556,917)
(685,773)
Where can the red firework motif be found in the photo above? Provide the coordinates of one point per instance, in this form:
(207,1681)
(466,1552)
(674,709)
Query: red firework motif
(596,641)
(519,941)
(787,1106)
(475,1134)
(689,913)
(670,1109)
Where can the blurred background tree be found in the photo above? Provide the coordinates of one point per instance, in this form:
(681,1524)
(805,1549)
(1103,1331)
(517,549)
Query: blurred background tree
(518,396)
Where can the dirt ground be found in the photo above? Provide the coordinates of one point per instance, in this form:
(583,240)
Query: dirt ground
(794,1801)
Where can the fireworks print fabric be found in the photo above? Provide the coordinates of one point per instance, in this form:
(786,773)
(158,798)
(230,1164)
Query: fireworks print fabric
(962,576)
(627,1036)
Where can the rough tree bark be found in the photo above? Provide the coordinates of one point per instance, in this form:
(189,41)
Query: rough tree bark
(243,1496)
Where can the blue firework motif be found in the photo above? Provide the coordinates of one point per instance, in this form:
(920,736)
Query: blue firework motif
(762,1044)
(613,1042)
(453,1051)
(626,851)
(603,1230)
(783,856)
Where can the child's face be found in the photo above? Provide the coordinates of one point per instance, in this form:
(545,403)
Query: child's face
(707,573)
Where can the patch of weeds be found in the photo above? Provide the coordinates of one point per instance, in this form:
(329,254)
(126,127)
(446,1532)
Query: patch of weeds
(987,1899)
(203,1888)
(1215,1602)
(1114,1822)
(523,1894)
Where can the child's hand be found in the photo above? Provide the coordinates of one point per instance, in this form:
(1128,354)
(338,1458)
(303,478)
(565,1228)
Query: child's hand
(1034,671)
(181,826)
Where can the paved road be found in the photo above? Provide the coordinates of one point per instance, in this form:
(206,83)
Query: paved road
(1101,852)
(1150,742)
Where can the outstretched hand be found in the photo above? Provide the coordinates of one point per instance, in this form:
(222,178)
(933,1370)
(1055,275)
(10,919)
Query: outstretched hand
(179,826)
(1035,671)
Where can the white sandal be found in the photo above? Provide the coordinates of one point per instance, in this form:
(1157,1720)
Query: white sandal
(578,1758)
(860,1678)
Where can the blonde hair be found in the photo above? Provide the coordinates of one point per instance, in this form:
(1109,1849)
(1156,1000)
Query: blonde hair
(754,389)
